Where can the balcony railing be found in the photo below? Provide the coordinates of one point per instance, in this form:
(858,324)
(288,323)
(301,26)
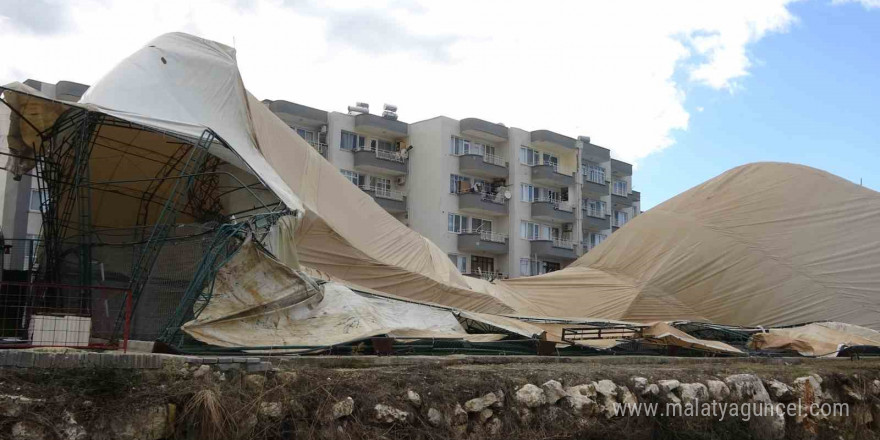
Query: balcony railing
(384,193)
(496,198)
(494,160)
(393,156)
(616,222)
(319,146)
(487,235)
(563,244)
(559,205)
(488,276)
(592,176)
(618,191)
(594,212)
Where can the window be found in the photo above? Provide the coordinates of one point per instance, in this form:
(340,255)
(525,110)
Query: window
(548,266)
(457,223)
(351,141)
(620,218)
(459,146)
(594,173)
(480,225)
(594,238)
(460,262)
(355,178)
(30,247)
(381,185)
(533,231)
(308,135)
(529,267)
(528,156)
(620,187)
(528,193)
(488,150)
(386,146)
(549,159)
(35,200)
(455,183)
(482,265)
(595,208)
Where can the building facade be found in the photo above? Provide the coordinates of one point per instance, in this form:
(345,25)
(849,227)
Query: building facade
(500,201)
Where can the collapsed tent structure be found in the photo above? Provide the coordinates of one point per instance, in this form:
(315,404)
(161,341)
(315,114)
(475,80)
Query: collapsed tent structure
(234,234)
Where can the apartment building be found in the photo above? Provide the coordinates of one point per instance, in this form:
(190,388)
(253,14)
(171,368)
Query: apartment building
(500,201)
(21,216)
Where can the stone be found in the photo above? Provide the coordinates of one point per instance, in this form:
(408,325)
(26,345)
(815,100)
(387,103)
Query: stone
(554,414)
(875,387)
(459,416)
(149,423)
(853,395)
(779,391)
(70,429)
(202,371)
(747,388)
(652,390)
(586,390)
(606,388)
(286,377)
(342,408)
(414,398)
(298,411)
(693,392)
(639,385)
(435,417)
(553,391)
(389,414)
(808,389)
(530,396)
(499,394)
(28,430)
(486,414)
(493,426)
(480,403)
(581,404)
(625,396)
(668,386)
(272,410)
(718,390)
(525,415)
(13,406)
(254,382)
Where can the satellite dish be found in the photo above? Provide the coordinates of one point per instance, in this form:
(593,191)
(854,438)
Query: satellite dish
(507,195)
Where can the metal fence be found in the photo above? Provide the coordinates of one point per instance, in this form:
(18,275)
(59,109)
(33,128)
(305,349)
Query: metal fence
(62,315)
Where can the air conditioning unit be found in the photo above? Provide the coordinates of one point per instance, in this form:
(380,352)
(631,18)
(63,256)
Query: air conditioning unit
(568,227)
(401,180)
(323,129)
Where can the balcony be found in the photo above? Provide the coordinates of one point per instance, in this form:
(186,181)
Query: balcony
(619,168)
(487,166)
(620,198)
(381,162)
(595,219)
(379,126)
(549,175)
(616,223)
(553,249)
(547,138)
(482,203)
(482,241)
(593,185)
(483,129)
(635,196)
(320,147)
(552,211)
(393,201)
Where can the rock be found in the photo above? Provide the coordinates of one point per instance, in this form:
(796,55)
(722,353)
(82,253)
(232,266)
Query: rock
(342,408)
(70,429)
(435,417)
(459,416)
(272,410)
(693,392)
(149,423)
(485,414)
(853,395)
(808,389)
(494,426)
(875,388)
(606,388)
(651,390)
(480,403)
(747,388)
(553,391)
(779,391)
(459,431)
(202,371)
(13,406)
(587,390)
(500,402)
(770,426)
(581,404)
(524,415)
(414,398)
(668,386)
(389,414)
(718,390)
(253,382)
(554,414)
(639,385)
(298,411)
(530,396)
(286,377)
(625,396)
(28,430)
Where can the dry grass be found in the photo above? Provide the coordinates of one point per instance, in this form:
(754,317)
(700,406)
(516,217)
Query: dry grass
(205,415)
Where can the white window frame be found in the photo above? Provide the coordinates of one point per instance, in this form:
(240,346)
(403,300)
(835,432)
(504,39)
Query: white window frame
(460,262)
(456,223)
(529,156)
(359,141)
(593,172)
(454,182)
(34,198)
(621,187)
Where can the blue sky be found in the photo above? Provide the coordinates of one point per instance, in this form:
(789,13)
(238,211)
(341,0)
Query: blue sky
(812,97)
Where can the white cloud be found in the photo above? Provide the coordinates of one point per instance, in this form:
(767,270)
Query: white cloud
(867,4)
(615,71)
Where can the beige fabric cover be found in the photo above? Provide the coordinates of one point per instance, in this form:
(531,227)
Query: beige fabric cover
(816,339)
(762,244)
